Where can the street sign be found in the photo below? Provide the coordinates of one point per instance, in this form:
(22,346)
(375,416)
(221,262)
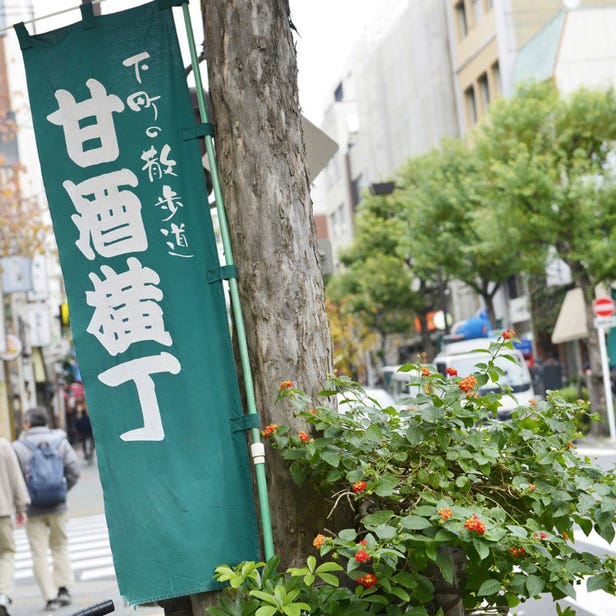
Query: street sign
(603,307)
(605,322)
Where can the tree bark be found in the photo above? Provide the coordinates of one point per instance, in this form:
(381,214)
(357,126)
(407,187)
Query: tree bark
(252,71)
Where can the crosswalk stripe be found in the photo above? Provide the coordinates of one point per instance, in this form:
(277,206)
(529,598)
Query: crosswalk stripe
(88,546)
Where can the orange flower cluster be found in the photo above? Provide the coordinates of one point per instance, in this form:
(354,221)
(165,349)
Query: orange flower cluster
(361,556)
(517,551)
(425,372)
(358,487)
(445,513)
(474,523)
(532,487)
(508,334)
(318,540)
(269,429)
(540,535)
(367,581)
(286,385)
(303,436)
(467,384)
(451,371)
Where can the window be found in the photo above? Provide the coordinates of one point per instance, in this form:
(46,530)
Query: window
(461,19)
(339,93)
(471,105)
(355,192)
(513,286)
(484,91)
(496,79)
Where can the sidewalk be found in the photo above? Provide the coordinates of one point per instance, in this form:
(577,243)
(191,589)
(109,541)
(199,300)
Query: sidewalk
(85,499)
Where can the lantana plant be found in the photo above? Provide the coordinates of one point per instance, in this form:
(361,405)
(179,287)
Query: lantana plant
(452,506)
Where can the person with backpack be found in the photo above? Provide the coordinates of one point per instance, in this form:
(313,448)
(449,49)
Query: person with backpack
(14,500)
(51,468)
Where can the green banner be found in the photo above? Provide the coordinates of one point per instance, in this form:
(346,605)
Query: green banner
(115,131)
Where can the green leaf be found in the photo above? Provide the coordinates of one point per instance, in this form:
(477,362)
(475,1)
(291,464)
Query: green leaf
(483,551)
(330,579)
(348,534)
(415,522)
(378,518)
(299,472)
(596,583)
(518,531)
(488,588)
(445,564)
(385,532)
(327,567)
(606,532)
(586,526)
(386,485)
(264,596)
(333,459)
(400,593)
(413,434)
(566,588)
(534,585)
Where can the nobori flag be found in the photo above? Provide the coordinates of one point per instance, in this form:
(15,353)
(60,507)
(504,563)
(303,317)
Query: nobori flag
(115,132)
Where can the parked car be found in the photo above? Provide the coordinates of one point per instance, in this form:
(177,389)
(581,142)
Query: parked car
(516,375)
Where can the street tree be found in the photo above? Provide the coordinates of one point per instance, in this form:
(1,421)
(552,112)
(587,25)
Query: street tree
(24,228)
(351,339)
(552,165)
(454,221)
(252,75)
(390,285)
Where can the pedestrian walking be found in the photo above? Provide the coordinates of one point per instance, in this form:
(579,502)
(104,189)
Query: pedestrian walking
(47,513)
(84,429)
(14,500)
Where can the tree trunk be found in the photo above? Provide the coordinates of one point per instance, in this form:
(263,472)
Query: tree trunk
(252,72)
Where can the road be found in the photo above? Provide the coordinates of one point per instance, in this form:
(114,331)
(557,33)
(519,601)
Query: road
(95,577)
(90,556)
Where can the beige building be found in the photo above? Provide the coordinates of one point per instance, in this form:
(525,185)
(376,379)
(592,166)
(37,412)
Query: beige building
(486,37)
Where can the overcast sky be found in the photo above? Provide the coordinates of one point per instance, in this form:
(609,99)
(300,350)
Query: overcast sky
(327,31)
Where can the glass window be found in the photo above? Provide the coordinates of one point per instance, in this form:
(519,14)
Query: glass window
(471,105)
(461,19)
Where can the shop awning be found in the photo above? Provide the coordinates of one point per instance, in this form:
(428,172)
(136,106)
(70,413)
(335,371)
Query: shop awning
(571,322)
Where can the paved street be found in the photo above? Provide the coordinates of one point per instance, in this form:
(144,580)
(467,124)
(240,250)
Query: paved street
(90,556)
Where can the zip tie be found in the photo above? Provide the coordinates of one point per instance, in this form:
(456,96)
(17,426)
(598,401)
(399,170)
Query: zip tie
(258,453)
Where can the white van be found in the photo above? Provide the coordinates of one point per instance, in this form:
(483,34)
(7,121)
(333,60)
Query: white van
(460,355)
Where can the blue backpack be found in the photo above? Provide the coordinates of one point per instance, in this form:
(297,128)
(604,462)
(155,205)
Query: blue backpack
(45,480)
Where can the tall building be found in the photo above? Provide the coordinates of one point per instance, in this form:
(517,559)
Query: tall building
(430,69)
(394,100)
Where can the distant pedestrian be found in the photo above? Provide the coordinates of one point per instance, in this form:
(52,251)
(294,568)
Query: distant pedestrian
(14,499)
(84,429)
(46,525)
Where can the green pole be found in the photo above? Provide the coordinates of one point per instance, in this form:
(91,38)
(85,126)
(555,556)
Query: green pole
(257,449)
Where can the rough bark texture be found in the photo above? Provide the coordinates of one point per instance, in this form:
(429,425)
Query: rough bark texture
(252,73)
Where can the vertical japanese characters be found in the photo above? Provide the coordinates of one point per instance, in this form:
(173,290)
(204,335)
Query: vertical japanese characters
(108,216)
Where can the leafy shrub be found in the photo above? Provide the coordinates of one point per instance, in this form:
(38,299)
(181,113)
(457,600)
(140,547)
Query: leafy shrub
(451,505)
